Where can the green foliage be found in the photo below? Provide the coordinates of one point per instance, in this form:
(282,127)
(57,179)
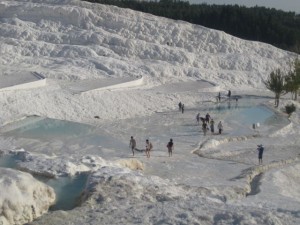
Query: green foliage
(293,80)
(276,84)
(272,26)
(290,109)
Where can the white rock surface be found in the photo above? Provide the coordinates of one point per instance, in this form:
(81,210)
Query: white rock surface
(22,197)
(76,45)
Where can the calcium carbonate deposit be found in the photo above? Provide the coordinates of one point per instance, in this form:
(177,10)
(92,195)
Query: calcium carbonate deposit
(79,79)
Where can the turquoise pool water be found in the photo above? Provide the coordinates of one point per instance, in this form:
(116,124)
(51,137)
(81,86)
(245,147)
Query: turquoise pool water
(255,114)
(243,111)
(67,189)
(242,114)
(51,130)
(8,161)
(36,127)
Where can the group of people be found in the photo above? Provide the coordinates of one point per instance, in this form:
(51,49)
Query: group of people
(208,121)
(228,95)
(149,146)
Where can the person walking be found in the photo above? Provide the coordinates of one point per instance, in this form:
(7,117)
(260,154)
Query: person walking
(204,128)
(229,94)
(132,144)
(179,105)
(260,149)
(198,118)
(149,147)
(182,108)
(170,147)
(212,126)
(220,127)
(207,117)
(219,96)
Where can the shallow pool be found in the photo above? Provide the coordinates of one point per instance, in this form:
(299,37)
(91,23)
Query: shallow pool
(71,133)
(8,161)
(38,127)
(67,189)
(243,111)
(255,114)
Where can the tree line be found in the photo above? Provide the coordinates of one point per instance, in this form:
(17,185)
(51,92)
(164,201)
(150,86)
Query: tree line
(275,27)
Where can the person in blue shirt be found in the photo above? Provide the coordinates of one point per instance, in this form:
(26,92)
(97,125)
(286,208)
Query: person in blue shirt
(260,149)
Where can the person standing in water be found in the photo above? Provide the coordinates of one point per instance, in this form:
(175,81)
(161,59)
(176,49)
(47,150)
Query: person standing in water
(170,147)
(132,144)
(198,118)
(149,147)
(212,126)
(229,94)
(207,118)
(220,127)
(204,128)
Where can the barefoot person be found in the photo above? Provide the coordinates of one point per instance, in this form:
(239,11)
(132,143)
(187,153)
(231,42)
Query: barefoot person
(207,118)
(179,105)
(132,144)
(212,126)
(204,128)
(220,127)
(219,96)
(170,147)
(198,118)
(148,148)
(260,149)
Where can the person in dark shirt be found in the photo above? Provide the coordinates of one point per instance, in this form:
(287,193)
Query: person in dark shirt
(170,147)
(260,149)
(179,105)
(132,144)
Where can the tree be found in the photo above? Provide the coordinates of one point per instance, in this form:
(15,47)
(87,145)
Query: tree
(276,84)
(293,80)
(297,75)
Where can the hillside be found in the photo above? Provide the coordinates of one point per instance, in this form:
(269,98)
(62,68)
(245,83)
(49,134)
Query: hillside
(267,25)
(78,40)
(119,73)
